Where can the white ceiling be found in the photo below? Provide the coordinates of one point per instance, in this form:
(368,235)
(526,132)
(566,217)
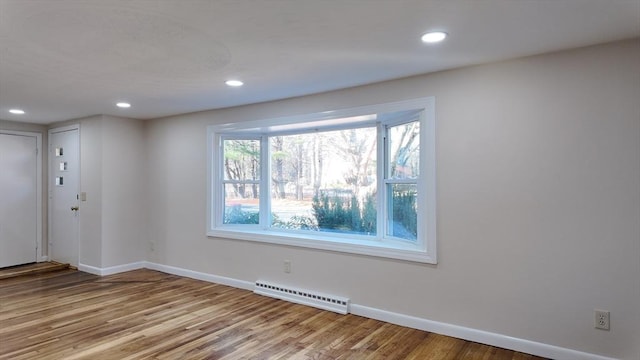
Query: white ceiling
(67,59)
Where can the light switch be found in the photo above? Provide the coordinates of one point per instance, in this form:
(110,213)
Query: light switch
(83,196)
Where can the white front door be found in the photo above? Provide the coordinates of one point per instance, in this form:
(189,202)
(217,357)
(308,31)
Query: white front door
(64,173)
(18,199)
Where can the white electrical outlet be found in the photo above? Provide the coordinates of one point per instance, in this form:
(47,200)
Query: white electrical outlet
(152,245)
(602,319)
(287,266)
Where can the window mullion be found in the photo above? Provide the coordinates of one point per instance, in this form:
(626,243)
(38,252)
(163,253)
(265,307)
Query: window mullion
(265,183)
(401,181)
(381,214)
(218,189)
(240,181)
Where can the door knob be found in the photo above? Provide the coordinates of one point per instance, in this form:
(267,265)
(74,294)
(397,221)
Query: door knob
(75,208)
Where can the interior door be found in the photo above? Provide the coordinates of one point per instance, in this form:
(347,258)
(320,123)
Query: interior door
(64,173)
(18,199)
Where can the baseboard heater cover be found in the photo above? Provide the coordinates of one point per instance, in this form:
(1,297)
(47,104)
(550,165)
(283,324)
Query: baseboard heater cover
(305,297)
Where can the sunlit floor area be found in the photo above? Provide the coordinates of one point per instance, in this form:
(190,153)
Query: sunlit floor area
(144,314)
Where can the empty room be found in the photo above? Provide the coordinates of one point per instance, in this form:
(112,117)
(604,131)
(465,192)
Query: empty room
(319,179)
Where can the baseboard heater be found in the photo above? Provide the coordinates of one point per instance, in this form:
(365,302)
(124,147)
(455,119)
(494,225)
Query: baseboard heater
(304,297)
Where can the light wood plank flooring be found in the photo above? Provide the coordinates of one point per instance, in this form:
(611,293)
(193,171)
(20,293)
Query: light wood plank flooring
(145,314)
(30,269)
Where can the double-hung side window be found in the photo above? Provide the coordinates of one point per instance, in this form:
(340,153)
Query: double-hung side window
(359,180)
(241,180)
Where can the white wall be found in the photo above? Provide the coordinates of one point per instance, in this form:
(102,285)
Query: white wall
(124,205)
(113,219)
(90,224)
(538,201)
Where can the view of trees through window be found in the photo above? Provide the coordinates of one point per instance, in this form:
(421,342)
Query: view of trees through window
(241,181)
(401,180)
(325,180)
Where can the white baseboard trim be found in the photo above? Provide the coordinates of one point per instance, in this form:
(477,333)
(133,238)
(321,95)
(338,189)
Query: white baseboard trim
(111,269)
(241,284)
(479,336)
(90,269)
(43,259)
(460,332)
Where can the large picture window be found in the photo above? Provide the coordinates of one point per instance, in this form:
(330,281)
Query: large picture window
(325,181)
(359,180)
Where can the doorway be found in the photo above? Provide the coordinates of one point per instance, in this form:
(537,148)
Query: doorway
(20,197)
(64,174)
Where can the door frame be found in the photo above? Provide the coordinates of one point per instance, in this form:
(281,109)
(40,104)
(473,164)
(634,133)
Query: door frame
(50,178)
(41,254)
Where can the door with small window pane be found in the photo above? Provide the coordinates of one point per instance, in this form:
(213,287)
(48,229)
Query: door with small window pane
(64,210)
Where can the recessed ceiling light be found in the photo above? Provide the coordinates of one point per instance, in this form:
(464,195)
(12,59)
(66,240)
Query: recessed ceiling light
(123,105)
(234,83)
(434,37)
(17,111)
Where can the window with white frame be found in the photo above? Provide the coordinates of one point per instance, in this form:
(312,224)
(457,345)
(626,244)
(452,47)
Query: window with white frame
(359,180)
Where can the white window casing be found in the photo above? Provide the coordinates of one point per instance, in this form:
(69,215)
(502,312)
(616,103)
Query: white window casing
(382,116)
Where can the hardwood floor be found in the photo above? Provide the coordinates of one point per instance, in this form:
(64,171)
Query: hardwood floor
(30,269)
(145,314)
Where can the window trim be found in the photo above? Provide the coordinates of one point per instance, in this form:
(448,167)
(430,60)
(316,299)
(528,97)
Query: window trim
(424,250)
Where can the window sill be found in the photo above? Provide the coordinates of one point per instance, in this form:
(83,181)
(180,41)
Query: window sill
(387,249)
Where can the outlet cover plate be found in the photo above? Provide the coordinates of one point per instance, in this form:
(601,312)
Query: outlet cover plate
(602,319)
